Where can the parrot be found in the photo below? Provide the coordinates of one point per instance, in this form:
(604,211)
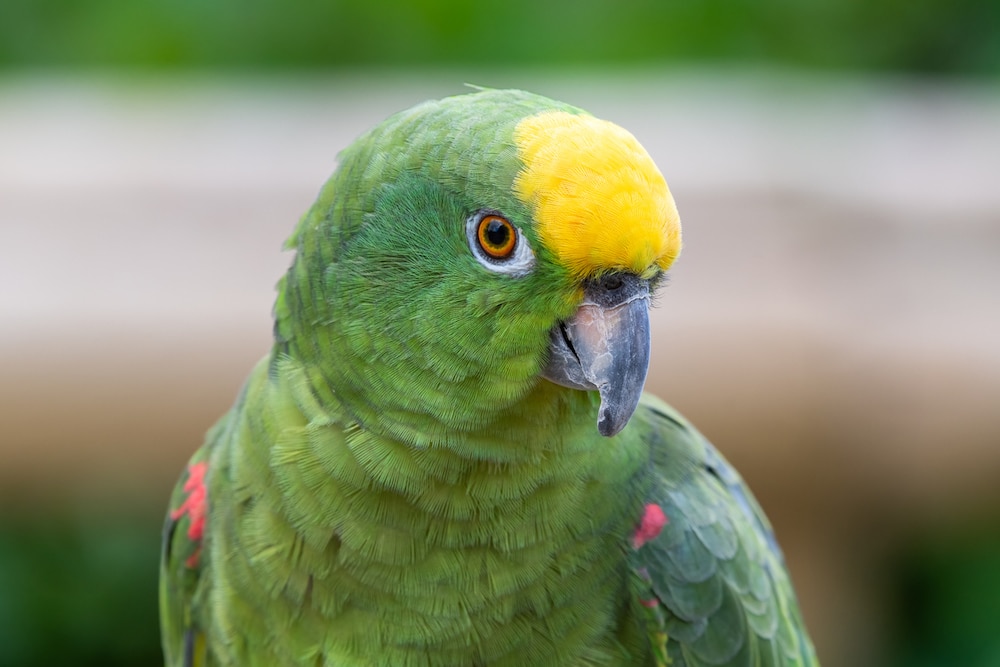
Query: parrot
(447,458)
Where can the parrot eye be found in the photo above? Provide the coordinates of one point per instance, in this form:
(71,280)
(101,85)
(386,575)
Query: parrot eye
(498,244)
(497,236)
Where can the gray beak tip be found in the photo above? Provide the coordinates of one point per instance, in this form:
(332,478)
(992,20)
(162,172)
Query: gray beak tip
(616,409)
(606,426)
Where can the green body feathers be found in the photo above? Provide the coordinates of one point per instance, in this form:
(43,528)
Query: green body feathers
(398,485)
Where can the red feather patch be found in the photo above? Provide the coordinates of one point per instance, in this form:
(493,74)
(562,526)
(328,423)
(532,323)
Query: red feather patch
(653,521)
(194,505)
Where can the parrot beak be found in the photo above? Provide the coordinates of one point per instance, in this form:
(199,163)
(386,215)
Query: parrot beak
(605,346)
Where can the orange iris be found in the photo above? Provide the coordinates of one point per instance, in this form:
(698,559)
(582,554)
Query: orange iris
(497,237)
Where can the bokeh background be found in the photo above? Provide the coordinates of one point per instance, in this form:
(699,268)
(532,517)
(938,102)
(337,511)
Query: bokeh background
(833,324)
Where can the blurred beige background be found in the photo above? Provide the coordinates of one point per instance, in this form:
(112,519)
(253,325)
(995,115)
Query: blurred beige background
(833,323)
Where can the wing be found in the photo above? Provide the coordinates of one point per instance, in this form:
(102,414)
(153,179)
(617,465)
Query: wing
(182,565)
(711,582)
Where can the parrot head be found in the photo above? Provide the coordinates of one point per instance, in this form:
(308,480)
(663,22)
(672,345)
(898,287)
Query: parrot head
(471,251)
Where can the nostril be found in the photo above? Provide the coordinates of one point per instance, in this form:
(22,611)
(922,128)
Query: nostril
(615,288)
(611,282)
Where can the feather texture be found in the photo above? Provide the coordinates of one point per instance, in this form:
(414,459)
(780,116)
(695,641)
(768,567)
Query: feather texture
(715,572)
(396,483)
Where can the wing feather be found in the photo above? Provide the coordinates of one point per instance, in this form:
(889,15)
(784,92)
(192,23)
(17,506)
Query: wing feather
(715,569)
(182,565)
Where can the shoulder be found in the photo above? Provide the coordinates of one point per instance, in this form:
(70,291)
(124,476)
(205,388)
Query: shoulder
(708,575)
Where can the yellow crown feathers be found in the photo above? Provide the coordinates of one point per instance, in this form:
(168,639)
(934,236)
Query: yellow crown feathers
(600,202)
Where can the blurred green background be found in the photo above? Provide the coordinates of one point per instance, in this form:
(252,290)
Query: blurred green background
(923,36)
(882,482)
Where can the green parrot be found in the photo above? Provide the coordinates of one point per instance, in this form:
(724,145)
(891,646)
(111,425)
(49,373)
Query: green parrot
(447,458)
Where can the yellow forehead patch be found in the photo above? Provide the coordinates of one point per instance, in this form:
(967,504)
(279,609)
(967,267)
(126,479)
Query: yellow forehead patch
(600,201)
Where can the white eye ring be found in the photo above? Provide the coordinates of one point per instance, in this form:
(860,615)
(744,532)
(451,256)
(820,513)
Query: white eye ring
(519,263)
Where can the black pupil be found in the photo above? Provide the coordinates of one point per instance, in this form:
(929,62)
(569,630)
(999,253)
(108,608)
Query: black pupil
(497,233)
